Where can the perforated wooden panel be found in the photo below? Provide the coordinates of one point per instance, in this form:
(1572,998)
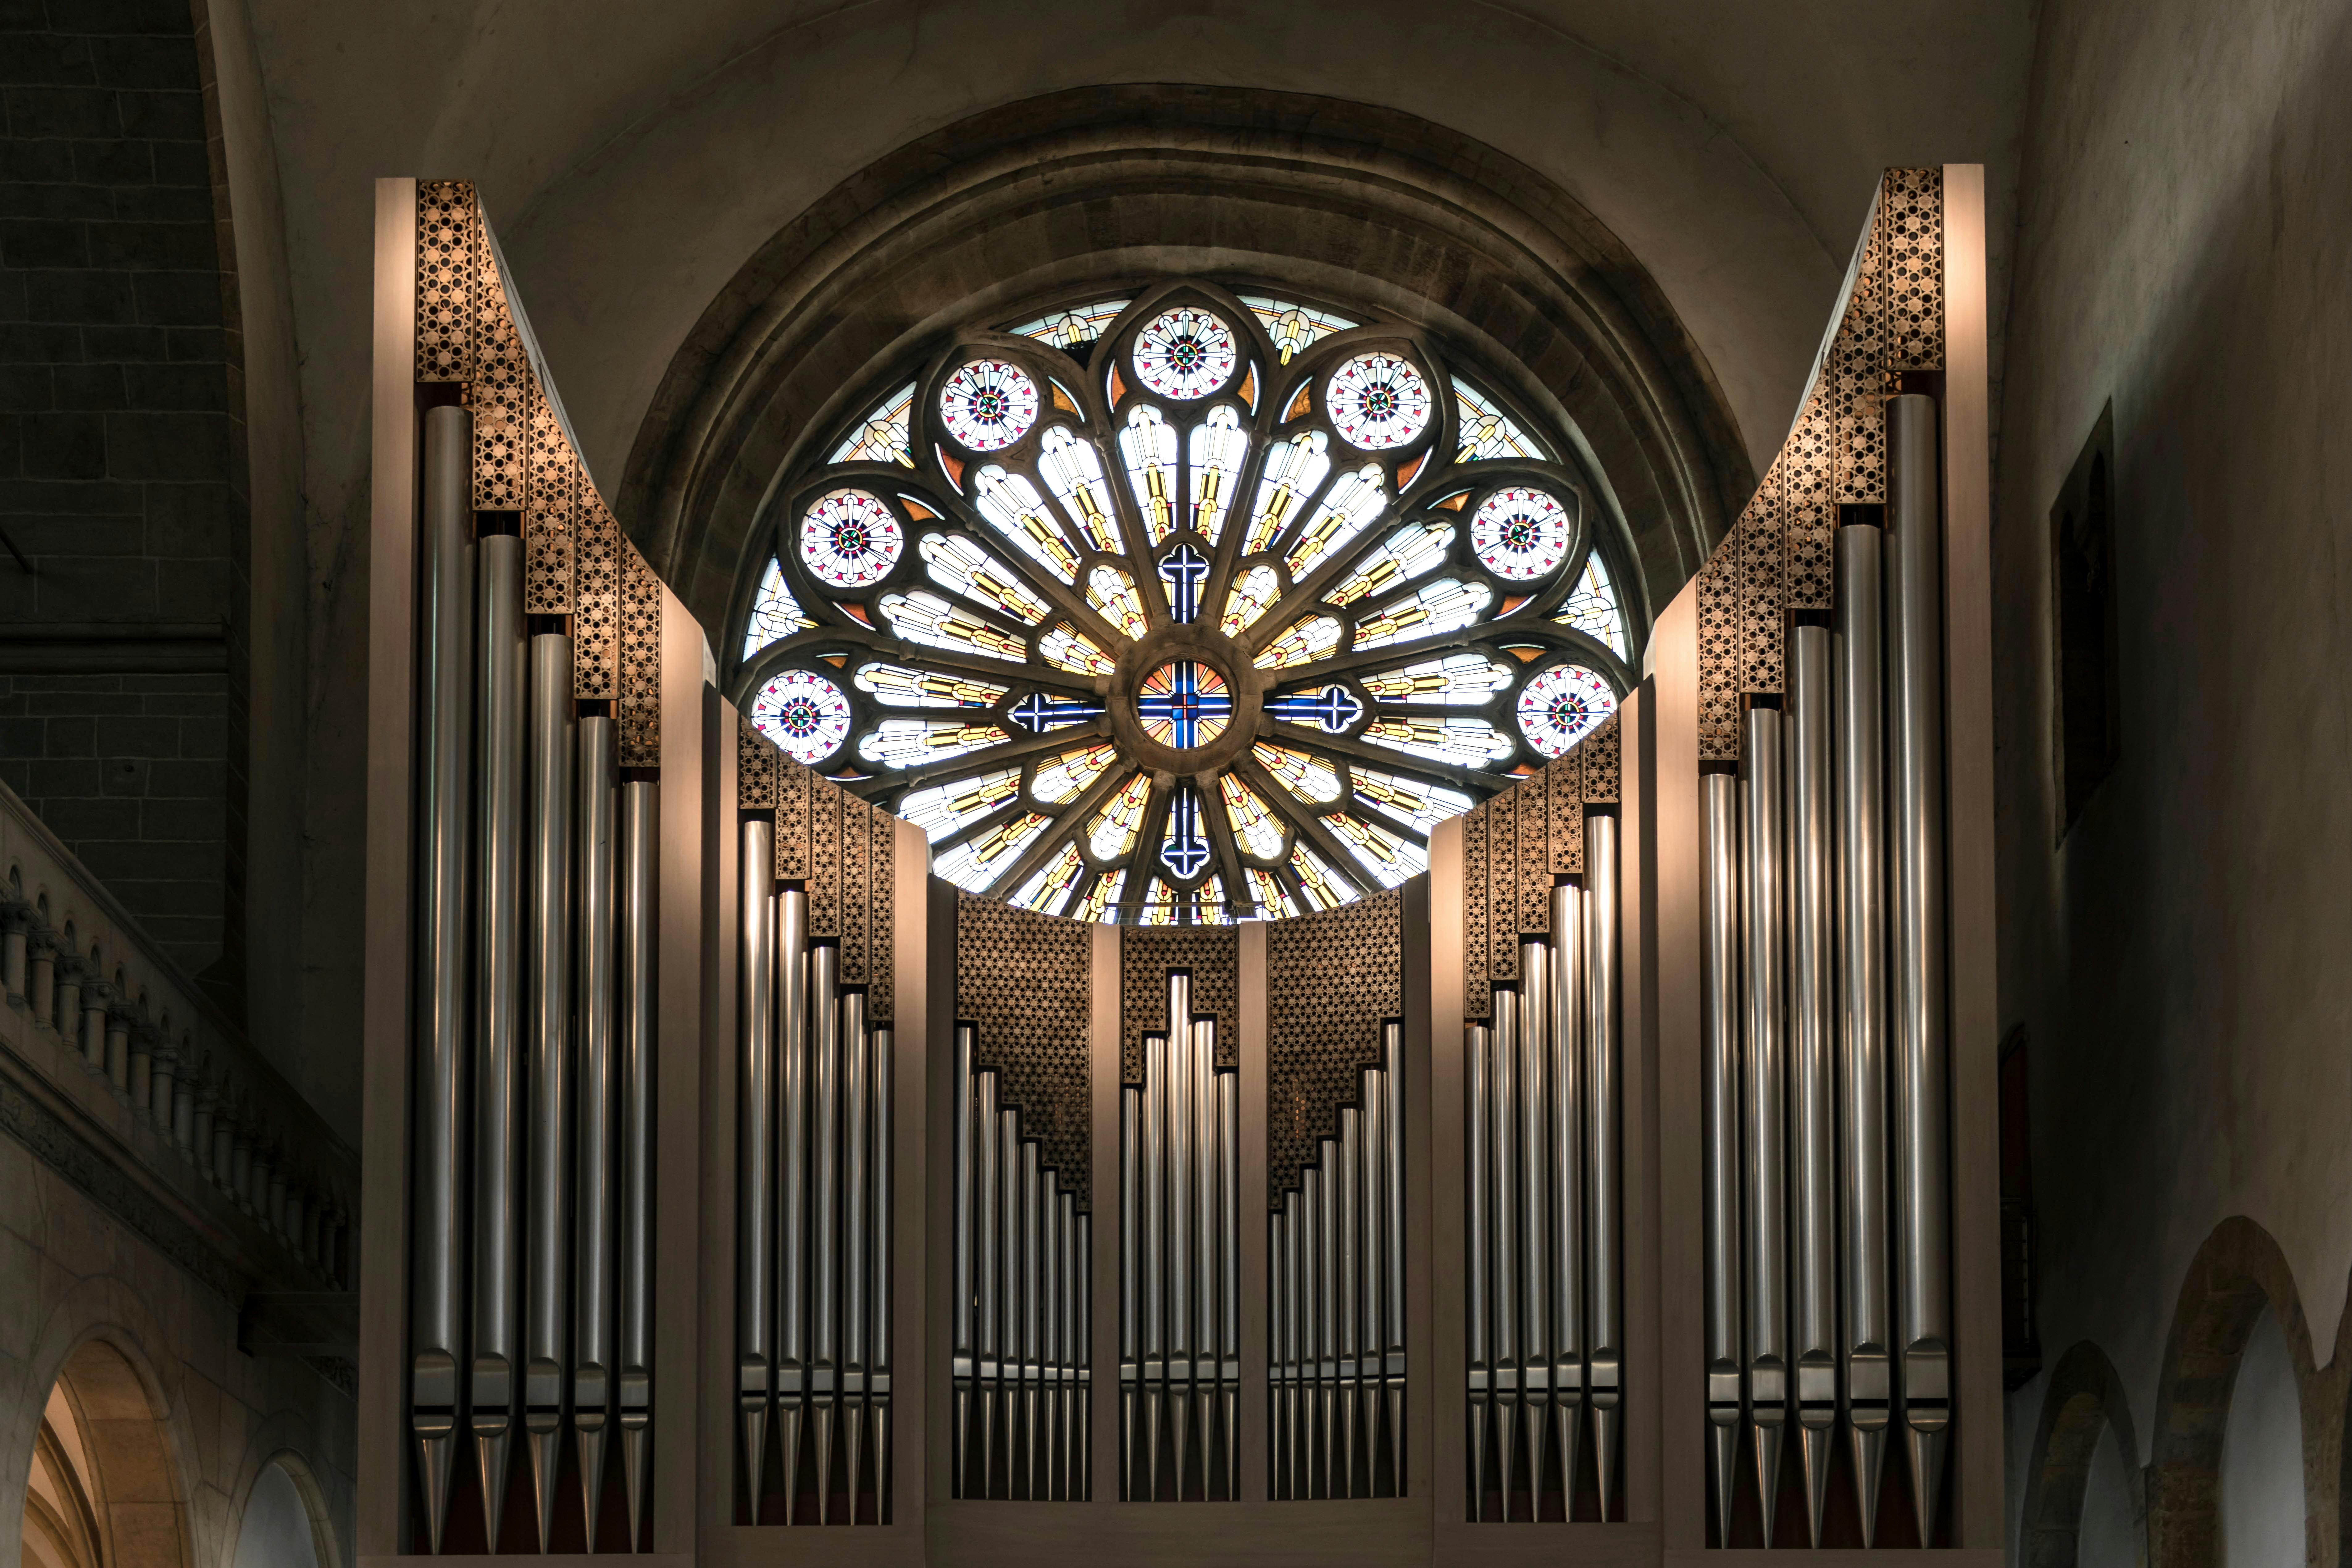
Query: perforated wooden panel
(1147,955)
(1332,980)
(1025,983)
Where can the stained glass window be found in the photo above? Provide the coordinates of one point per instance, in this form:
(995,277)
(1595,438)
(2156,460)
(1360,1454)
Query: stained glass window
(1076,324)
(1484,431)
(1374,595)
(775,613)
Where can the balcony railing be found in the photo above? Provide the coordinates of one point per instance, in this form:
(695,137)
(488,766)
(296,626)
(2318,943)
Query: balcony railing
(122,1067)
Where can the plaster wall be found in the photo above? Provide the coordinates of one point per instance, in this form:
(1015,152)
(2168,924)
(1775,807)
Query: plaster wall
(2179,960)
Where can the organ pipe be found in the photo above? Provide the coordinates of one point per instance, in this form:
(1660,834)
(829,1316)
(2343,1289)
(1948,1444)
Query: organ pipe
(594,1170)
(547,1226)
(1812,1060)
(1566,1167)
(1862,974)
(445,802)
(1606,1365)
(1764,946)
(1914,639)
(793,1091)
(755,1136)
(1719,1073)
(640,817)
(504,658)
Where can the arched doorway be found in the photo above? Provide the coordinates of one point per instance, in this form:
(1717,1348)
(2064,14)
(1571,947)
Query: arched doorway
(281,1526)
(103,1489)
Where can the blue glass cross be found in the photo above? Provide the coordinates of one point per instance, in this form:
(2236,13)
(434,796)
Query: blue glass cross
(1041,713)
(1185,850)
(1183,570)
(1333,710)
(1183,706)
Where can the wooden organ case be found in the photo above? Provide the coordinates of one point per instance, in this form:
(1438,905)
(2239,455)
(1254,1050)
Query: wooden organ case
(1620,1190)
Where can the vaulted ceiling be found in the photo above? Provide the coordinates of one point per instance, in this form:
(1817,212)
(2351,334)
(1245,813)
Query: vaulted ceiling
(634,157)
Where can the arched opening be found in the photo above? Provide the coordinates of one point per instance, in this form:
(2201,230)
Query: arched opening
(2263,1503)
(2083,1507)
(104,1490)
(281,1528)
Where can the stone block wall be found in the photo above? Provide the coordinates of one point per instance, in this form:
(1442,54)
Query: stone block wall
(119,500)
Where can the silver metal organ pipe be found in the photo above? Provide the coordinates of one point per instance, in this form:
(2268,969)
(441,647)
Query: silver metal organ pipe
(1535,1040)
(1605,1368)
(1032,1211)
(1229,1372)
(988,1303)
(1155,1238)
(1764,913)
(1083,1322)
(1914,663)
(1812,1052)
(1567,1154)
(640,865)
(1371,1158)
(792,1091)
(965,1272)
(1130,1280)
(1503,1192)
(547,1230)
(1392,1119)
(1315,1193)
(1066,1325)
(858,1120)
(1207,1253)
(1719,1072)
(877,1375)
(1292,1341)
(1277,1357)
(504,655)
(1474,1104)
(755,1139)
(1181,1252)
(1861,968)
(1012,1215)
(1348,1272)
(593,1165)
(824,1272)
(444,832)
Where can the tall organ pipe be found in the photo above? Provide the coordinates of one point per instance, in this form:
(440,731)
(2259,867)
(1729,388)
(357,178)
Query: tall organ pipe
(1813,1051)
(1345,1178)
(640,827)
(1373,1155)
(1393,1155)
(877,1373)
(1502,1191)
(547,1230)
(989,1224)
(825,1273)
(1566,1167)
(1719,1074)
(1600,962)
(1153,1161)
(504,655)
(1130,1280)
(1229,1364)
(1914,663)
(858,1113)
(755,1157)
(1180,1154)
(960,1423)
(1861,970)
(1534,1236)
(1764,932)
(443,835)
(1474,1102)
(792,1073)
(594,1168)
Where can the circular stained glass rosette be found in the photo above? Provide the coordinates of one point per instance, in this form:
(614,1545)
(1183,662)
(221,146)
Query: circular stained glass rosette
(1308,725)
(1520,533)
(988,405)
(850,539)
(1184,704)
(1378,401)
(1559,705)
(1185,353)
(805,713)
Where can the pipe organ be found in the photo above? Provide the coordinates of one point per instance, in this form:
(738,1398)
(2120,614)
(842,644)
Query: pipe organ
(1336,1229)
(815,1122)
(1022,1423)
(1180,1217)
(1542,1105)
(1628,1176)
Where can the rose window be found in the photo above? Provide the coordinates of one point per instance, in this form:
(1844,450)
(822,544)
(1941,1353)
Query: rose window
(1186,607)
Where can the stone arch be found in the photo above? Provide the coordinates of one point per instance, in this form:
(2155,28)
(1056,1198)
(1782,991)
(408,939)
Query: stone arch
(133,1479)
(2084,1400)
(1038,199)
(290,1463)
(2237,1274)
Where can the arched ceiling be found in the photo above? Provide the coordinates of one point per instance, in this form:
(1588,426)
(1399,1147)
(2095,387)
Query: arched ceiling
(635,157)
